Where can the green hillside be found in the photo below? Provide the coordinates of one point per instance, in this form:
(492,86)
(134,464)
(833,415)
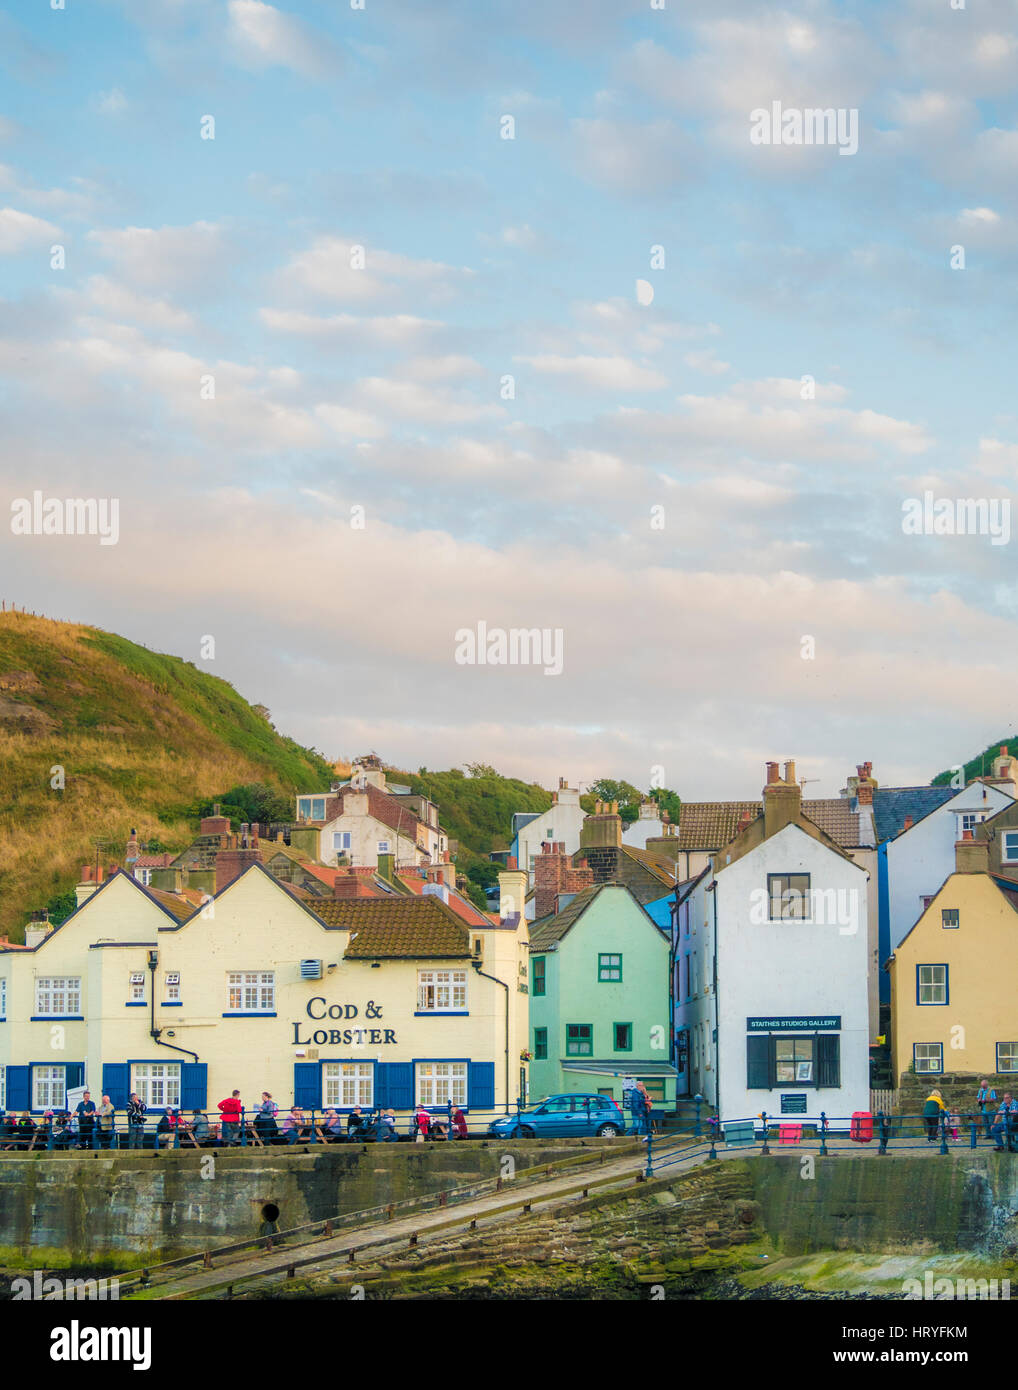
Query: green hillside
(142,739)
(477,811)
(981,765)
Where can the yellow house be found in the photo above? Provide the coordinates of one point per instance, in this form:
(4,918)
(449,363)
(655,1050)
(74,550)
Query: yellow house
(953,976)
(371,1002)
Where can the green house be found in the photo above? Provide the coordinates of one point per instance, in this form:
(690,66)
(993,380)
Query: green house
(599,998)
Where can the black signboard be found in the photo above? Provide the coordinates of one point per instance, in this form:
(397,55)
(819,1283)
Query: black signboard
(802,1023)
(794,1104)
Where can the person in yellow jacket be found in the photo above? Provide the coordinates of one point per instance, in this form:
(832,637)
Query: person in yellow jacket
(933,1108)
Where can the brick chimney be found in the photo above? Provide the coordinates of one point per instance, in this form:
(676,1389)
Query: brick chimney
(90,881)
(231,863)
(215,825)
(554,874)
(603,828)
(781,799)
(971,856)
(1004,772)
(512,891)
(345,885)
(132,852)
(865,784)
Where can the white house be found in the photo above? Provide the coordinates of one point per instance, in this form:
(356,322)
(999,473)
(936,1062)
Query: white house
(561,824)
(366,818)
(648,826)
(770,970)
(922,856)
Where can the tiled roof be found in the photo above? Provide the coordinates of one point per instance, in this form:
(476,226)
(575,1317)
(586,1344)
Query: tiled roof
(705,825)
(656,864)
(553,928)
(892,804)
(710,825)
(405,928)
(175,904)
(152,861)
(835,816)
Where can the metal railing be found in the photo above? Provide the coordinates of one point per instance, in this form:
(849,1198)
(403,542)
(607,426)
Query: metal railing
(176,1128)
(826,1135)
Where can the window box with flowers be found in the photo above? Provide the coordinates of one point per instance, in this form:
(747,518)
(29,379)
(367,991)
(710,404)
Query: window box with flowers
(526,1056)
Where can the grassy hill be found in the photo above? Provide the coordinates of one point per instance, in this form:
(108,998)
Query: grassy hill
(141,738)
(982,764)
(477,811)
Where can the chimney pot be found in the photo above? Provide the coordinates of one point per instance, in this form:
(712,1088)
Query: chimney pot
(908,823)
(772,773)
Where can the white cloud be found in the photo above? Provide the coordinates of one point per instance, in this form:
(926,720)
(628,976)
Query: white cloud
(342,268)
(166,257)
(121,303)
(354,424)
(630,157)
(409,401)
(394,330)
(112,103)
(523,237)
(706,362)
(598,373)
(19,230)
(263,36)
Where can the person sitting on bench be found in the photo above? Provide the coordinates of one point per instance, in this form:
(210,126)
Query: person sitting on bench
(1004,1122)
(332,1126)
(356,1123)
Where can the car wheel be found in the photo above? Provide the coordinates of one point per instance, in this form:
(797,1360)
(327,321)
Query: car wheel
(607,1131)
(522,1132)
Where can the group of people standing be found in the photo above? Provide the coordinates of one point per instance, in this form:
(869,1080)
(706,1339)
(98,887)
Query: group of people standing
(996,1118)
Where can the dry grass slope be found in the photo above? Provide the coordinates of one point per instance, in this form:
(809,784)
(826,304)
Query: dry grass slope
(140,736)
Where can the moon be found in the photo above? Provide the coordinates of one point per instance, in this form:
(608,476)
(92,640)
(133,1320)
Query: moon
(644,292)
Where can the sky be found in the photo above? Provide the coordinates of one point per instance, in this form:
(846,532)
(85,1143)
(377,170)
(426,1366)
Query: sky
(382,323)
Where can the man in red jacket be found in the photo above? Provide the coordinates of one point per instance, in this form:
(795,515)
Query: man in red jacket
(231,1110)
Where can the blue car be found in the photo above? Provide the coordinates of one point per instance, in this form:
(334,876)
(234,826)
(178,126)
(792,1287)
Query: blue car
(563,1117)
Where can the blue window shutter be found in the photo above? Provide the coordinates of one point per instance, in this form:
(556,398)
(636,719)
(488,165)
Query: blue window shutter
(74,1075)
(394,1085)
(116,1082)
(18,1090)
(307,1085)
(481,1085)
(194,1085)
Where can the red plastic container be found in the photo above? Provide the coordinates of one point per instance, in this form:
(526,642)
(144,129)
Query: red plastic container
(861,1130)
